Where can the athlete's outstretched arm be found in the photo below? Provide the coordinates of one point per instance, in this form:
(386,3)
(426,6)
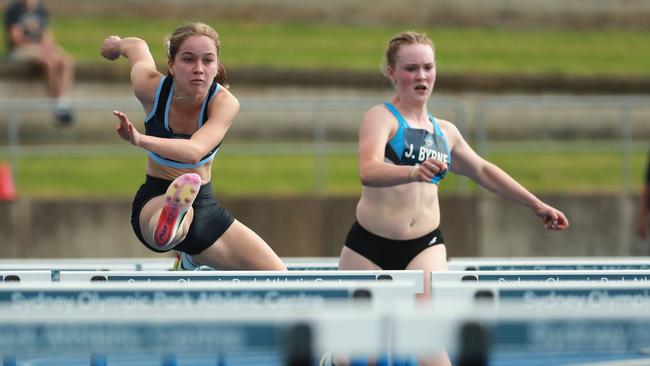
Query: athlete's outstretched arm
(467,162)
(143,74)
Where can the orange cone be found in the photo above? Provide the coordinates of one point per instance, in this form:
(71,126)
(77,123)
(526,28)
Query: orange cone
(7,188)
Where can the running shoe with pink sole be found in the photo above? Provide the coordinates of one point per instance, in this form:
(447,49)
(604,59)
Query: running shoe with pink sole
(178,199)
(184,262)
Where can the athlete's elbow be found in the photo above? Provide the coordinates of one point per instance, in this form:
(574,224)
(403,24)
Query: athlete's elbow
(192,156)
(365,178)
(192,161)
(370,176)
(368,180)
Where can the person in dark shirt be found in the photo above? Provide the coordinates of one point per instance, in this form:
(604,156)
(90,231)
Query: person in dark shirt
(30,39)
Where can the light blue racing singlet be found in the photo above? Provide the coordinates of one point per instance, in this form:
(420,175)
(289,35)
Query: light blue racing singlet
(412,146)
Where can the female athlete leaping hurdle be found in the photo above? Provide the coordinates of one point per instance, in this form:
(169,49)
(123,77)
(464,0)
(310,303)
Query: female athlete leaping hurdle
(188,113)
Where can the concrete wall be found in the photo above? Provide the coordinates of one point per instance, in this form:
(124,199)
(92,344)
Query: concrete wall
(482,225)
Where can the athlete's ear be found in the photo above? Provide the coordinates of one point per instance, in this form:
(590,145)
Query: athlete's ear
(170,64)
(390,74)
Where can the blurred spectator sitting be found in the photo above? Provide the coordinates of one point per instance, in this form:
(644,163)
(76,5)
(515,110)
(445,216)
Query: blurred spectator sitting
(30,39)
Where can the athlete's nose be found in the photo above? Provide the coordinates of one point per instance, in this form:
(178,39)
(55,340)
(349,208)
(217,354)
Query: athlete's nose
(420,74)
(198,68)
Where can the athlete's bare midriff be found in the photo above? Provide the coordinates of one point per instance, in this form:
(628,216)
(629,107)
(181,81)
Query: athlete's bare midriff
(169,173)
(402,212)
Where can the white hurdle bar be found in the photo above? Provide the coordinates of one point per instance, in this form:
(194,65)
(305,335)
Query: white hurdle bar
(544,276)
(469,335)
(119,331)
(548,263)
(197,296)
(514,334)
(544,296)
(164,263)
(308,277)
(299,333)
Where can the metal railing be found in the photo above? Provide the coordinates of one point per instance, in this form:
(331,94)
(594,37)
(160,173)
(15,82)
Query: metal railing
(619,105)
(320,115)
(317,114)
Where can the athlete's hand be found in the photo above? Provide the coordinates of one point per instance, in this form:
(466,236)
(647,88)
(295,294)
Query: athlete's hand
(427,170)
(126,130)
(110,48)
(553,218)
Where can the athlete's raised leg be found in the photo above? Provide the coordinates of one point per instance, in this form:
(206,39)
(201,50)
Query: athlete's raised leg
(240,248)
(165,220)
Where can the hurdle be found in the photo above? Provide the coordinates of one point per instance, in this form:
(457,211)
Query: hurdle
(198,296)
(544,276)
(295,336)
(217,332)
(549,263)
(544,296)
(136,335)
(308,277)
(55,268)
(512,336)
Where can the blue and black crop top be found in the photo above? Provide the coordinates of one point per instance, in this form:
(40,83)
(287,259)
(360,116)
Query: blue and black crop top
(412,146)
(157,122)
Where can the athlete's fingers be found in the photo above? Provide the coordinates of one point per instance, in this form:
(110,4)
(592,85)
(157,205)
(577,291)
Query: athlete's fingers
(425,173)
(434,162)
(562,221)
(555,220)
(110,48)
(427,167)
(124,121)
(435,165)
(123,127)
(121,116)
(550,223)
(439,164)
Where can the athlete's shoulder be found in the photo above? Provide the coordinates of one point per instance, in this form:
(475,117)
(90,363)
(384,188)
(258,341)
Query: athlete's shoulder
(378,120)
(147,89)
(224,100)
(446,125)
(451,132)
(378,112)
(225,96)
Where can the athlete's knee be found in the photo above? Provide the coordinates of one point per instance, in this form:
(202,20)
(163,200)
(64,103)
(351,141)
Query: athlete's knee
(279,266)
